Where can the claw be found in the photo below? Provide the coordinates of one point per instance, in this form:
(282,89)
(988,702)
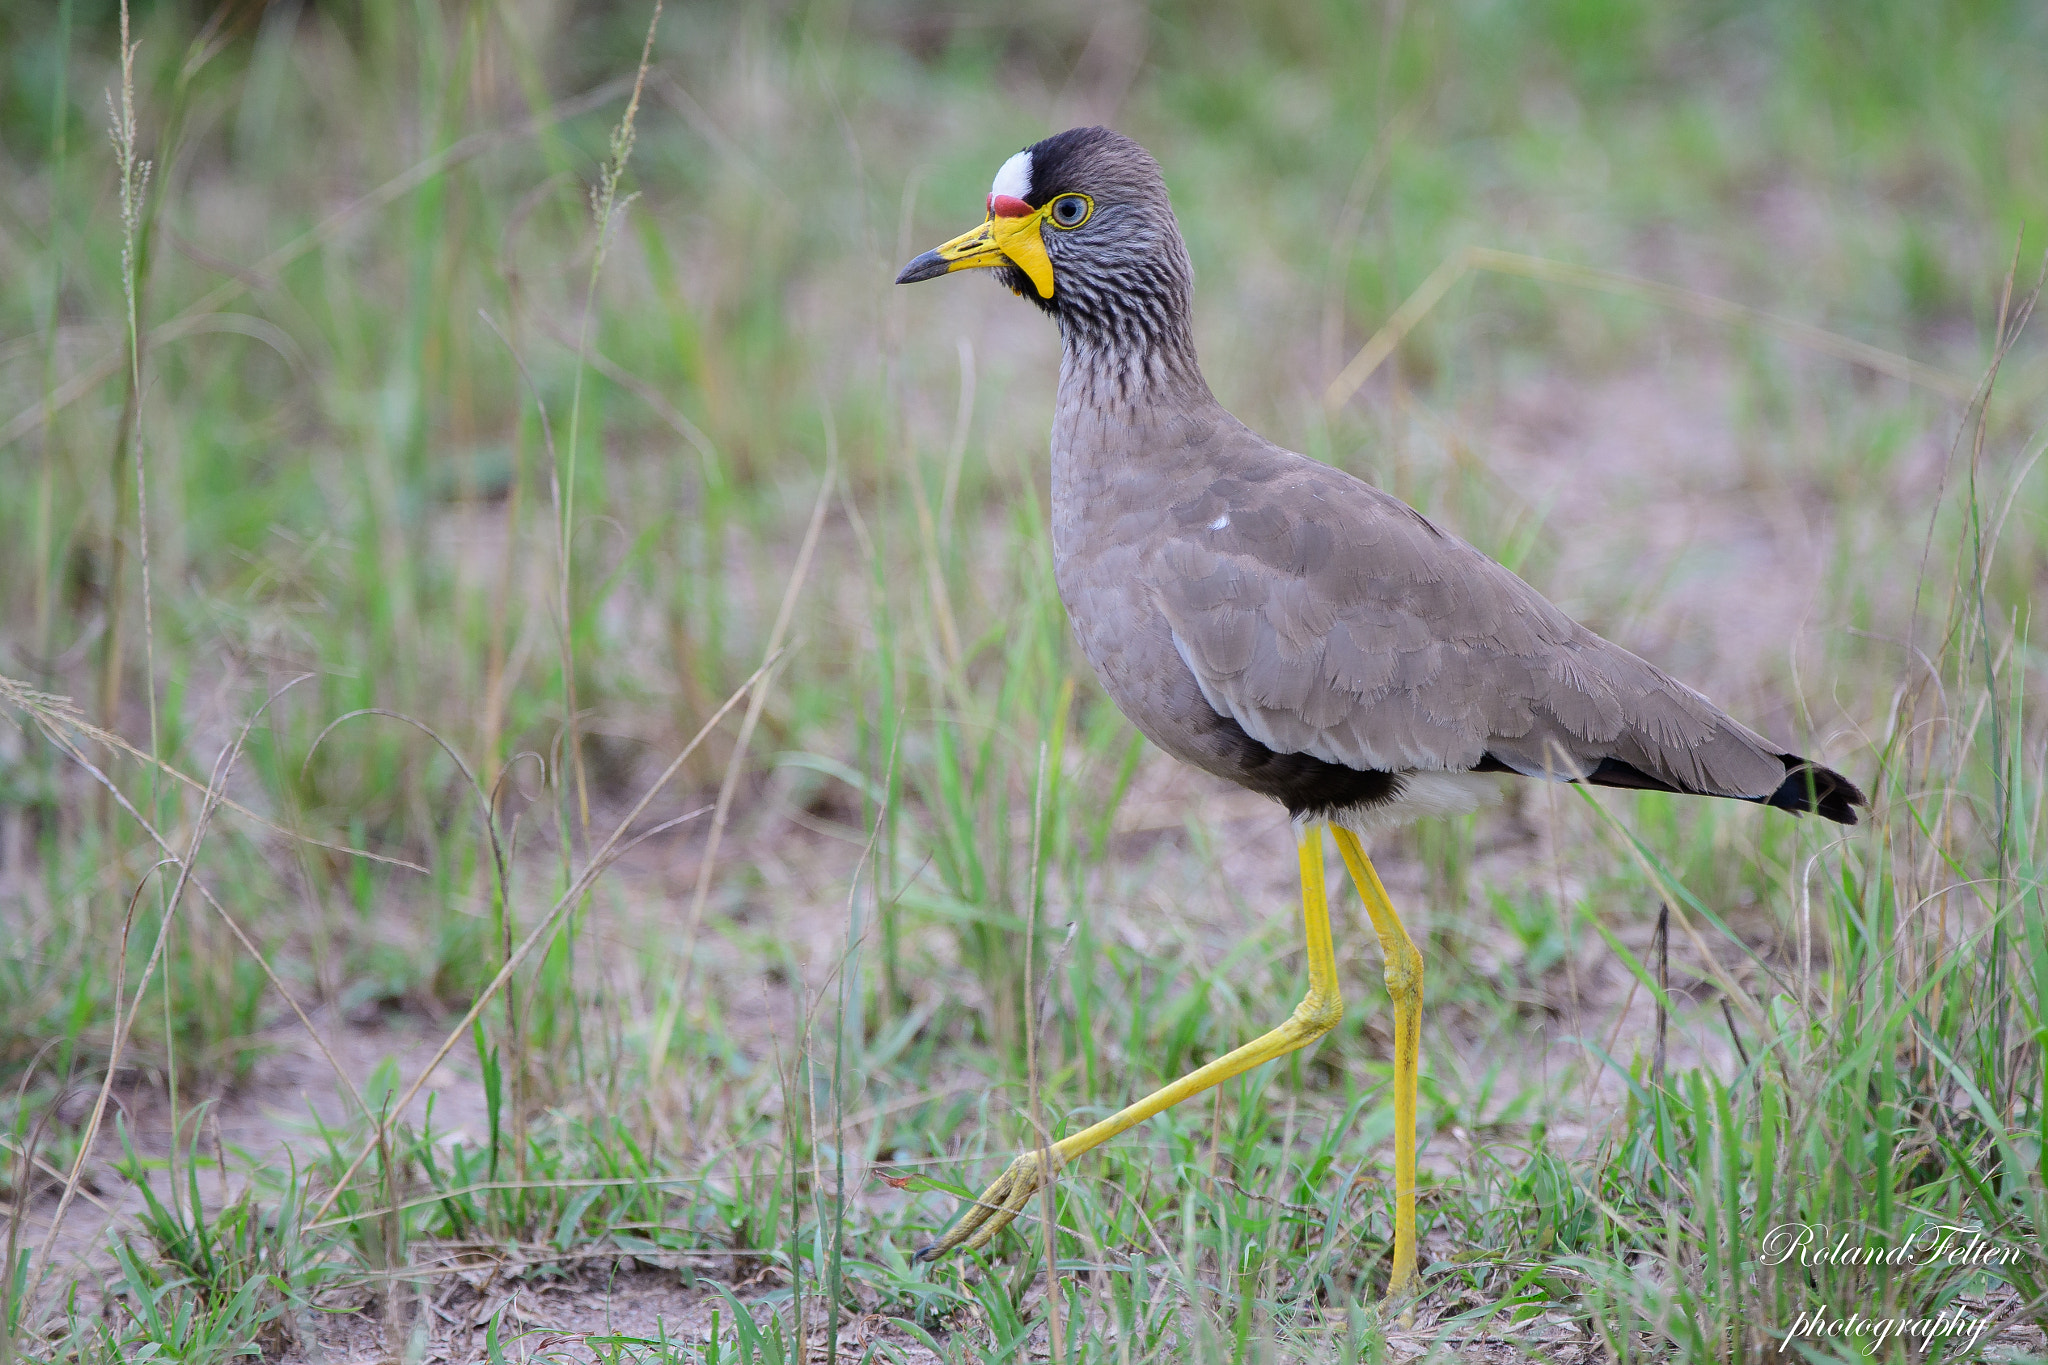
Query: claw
(998,1206)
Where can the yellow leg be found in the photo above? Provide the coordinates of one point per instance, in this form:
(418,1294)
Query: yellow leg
(1315,1016)
(1404,986)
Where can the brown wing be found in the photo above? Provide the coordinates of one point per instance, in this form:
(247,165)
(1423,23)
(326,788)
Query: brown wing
(1329,618)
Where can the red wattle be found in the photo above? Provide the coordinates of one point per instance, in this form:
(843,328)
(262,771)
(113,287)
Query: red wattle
(1008,206)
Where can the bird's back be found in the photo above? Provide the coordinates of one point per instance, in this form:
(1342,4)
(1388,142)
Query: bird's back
(1227,589)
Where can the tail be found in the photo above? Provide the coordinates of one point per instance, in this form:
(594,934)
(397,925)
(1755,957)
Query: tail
(1810,787)
(1807,786)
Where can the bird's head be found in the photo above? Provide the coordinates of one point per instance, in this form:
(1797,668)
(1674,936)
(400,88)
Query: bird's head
(1080,225)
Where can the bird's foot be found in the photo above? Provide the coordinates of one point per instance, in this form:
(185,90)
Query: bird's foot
(998,1205)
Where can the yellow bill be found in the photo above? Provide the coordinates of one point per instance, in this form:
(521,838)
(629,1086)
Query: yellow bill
(1003,239)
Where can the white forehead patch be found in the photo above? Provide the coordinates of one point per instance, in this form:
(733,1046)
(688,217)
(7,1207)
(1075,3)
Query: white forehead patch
(1014,179)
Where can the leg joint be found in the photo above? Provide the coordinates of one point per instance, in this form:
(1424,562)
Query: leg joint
(1403,970)
(1319,1011)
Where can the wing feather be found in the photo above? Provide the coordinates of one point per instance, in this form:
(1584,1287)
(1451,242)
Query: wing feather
(1329,618)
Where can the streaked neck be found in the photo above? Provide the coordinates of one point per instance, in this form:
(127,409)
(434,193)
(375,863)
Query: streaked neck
(1122,374)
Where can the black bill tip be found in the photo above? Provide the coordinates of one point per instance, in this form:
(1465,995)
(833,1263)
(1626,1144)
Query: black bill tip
(929,266)
(932,1252)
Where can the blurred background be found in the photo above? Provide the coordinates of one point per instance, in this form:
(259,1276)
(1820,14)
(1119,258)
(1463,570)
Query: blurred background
(418,422)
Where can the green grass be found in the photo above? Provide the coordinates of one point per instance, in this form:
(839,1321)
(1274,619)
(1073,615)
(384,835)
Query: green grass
(410,424)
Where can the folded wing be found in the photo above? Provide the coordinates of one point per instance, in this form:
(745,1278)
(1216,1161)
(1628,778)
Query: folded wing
(1329,618)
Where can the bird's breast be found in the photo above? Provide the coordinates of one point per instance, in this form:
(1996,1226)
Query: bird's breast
(1110,526)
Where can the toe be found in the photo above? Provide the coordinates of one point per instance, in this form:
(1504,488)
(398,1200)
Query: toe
(979,1223)
(1010,1194)
(994,1220)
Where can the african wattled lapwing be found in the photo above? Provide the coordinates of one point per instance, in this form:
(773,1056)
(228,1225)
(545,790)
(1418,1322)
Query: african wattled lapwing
(1287,626)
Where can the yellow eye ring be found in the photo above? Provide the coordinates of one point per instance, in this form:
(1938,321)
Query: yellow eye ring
(1080,205)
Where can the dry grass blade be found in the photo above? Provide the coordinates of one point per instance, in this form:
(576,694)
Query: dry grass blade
(489,1186)
(42,1164)
(641,389)
(136,221)
(606,208)
(1675,898)
(59,716)
(1047,1223)
(599,861)
(730,783)
(124,1022)
(1454,268)
(483,798)
(234,926)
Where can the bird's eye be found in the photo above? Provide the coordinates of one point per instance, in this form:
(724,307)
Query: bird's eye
(1070,210)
